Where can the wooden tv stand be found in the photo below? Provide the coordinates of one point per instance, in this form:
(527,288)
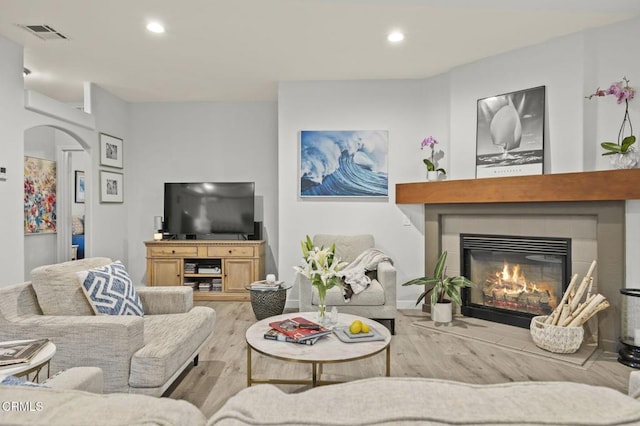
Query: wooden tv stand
(228,264)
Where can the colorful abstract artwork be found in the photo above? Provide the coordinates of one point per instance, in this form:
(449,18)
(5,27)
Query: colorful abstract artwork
(39,196)
(344,163)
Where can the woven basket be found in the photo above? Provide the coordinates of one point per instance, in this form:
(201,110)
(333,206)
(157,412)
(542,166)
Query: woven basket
(560,340)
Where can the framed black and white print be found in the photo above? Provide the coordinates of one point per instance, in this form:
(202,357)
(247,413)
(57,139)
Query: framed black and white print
(510,134)
(110,151)
(111,187)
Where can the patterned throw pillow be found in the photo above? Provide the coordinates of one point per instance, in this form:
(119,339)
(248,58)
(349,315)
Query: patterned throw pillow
(110,290)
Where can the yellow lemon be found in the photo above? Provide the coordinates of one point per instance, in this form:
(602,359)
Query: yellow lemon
(355,327)
(365,328)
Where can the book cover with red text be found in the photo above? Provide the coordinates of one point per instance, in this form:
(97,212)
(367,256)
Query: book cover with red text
(299,328)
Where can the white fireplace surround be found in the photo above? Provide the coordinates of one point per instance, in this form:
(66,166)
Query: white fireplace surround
(595,228)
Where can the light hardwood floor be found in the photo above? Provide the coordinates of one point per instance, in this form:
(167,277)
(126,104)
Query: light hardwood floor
(415,352)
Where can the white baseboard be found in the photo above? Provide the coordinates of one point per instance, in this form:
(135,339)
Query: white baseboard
(400,304)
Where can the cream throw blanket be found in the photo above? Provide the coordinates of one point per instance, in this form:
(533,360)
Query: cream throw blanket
(354,274)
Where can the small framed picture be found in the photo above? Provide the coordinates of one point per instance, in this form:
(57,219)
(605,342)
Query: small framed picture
(111,187)
(79,194)
(110,151)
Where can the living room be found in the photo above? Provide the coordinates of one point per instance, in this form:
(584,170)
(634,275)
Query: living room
(259,141)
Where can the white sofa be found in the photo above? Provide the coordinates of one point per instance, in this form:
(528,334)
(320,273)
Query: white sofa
(379,401)
(137,354)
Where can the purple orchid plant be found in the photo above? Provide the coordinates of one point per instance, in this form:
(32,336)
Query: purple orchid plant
(623,93)
(431,162)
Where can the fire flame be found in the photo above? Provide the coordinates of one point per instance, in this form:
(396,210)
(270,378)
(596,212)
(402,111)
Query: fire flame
(514,282)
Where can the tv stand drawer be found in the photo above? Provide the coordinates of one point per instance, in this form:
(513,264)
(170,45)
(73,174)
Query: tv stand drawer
(230,251)
(174,251)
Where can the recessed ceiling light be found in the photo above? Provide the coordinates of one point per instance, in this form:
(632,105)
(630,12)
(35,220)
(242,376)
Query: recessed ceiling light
(155,27)
(395,37)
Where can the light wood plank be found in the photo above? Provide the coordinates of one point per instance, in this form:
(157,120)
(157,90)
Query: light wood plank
(415,352)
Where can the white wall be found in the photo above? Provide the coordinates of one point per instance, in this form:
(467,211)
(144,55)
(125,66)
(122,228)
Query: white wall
(11,157)
(195,142)
(399,106)
(14,120)
(557,65)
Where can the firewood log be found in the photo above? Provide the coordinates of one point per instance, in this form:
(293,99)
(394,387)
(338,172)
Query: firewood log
(555,315)
(587,312)
(582,288)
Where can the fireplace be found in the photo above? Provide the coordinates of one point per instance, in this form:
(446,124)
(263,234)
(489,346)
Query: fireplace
(515,277)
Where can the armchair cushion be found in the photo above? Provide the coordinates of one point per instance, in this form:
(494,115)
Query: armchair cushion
(165,347)
(348,247)
(372,296)
(58,288)
(110,290)
(166,300)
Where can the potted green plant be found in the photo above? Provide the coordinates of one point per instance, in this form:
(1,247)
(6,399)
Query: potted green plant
(444,289)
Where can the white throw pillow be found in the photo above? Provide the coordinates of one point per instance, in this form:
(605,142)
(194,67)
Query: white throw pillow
(110,290)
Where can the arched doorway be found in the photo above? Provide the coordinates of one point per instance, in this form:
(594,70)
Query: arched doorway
(58,232)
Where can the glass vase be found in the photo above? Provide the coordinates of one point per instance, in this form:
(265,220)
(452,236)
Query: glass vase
(628,160)
(322,307)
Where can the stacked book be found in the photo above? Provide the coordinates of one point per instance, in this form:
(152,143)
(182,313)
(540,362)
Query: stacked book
(189,268)
(216,284)
(266,285)
(20,352)
(296,330)
(204,286)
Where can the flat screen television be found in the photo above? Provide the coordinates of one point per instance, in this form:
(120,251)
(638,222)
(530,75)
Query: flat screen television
(202,208)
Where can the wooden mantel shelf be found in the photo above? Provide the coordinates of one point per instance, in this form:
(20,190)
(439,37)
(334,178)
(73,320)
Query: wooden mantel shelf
(608,185)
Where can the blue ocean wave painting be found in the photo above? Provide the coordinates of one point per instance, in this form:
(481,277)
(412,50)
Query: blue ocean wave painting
(344,163)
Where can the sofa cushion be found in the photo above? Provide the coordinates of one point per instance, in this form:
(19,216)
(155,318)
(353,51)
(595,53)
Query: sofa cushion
(58,288)
(169,340)
(110,291)
(418,401)
(53,407)
(372,296)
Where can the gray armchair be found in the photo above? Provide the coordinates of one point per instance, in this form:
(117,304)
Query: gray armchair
(137,354)
(377,302)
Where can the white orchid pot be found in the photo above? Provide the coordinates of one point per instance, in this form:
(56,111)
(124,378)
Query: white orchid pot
(442,312)
(433,176)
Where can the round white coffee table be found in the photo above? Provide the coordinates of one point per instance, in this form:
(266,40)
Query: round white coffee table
(328,349)
(37,363)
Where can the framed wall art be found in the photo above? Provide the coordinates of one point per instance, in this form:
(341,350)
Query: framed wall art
(510,134)
(79,186)
(110,151)
(111,187)
(39,196)
(344,163)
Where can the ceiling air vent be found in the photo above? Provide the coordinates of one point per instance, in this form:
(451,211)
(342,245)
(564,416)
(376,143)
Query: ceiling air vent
(44,32)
